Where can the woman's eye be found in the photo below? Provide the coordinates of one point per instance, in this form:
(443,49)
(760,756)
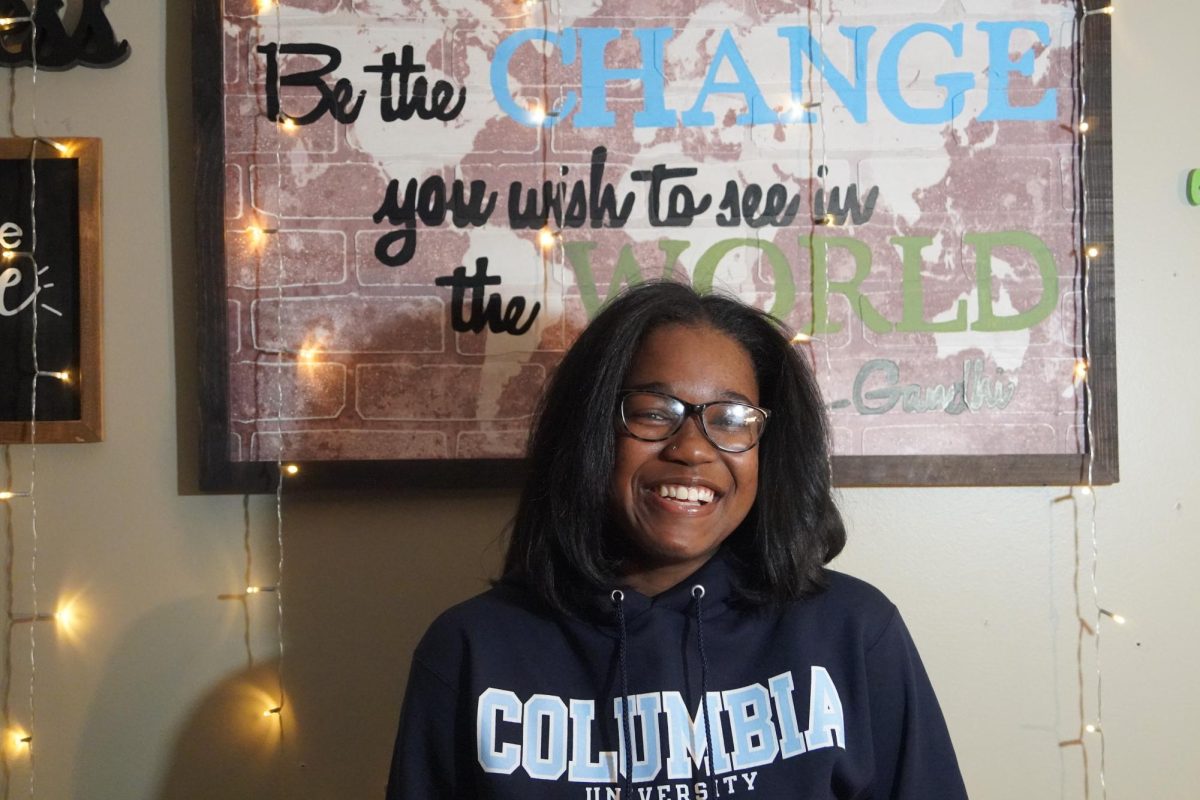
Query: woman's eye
(652,416)
(731,419)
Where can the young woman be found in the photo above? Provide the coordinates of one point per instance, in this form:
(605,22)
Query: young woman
(665,586)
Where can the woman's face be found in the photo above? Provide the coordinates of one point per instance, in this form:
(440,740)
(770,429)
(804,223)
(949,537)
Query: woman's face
(671,538)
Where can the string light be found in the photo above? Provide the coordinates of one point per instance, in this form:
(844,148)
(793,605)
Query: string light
(801,338)
(7,495)
(537,112)
(547,238)
(1115,617)
(1093,251)
(59,146)
(1107,10)
(1081,371)
(274,710)
(64,376)
(9,22)
(1092,727)
(292,469)
(288,124)
(266,6)
(309,354)
(828,220)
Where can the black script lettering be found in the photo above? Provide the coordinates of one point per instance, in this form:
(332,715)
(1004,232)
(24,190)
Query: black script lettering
(738,203)
(490,316)
(681,205)
(416,98)
(427,201)
(595,198)
(852,208)
(338,101)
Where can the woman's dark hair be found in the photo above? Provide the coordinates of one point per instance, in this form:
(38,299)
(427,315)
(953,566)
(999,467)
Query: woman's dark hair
(561,544)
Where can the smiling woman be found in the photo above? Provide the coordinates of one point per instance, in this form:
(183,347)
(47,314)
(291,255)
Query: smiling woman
(665,626)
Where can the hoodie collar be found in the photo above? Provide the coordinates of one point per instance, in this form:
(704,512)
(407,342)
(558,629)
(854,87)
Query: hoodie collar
(717,576)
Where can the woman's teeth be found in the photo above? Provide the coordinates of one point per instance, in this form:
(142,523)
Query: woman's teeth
(686,494)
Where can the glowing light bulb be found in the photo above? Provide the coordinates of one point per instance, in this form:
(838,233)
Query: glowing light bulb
(1093,251)
(309,353)
(8,22)
(273,710)
(9,255)
(1081,371)
(828,219)
(547,238)
(64,376)
(537,112)
(20,739)
(64,149)
(6,496)
(1084,126)
(292,469)
(801,338)
(1090,728)
(1115,617)
(265,6)
(1085,490)
(288,124)
(256,233)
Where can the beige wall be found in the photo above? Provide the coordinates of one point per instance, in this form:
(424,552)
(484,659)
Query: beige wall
(153,697)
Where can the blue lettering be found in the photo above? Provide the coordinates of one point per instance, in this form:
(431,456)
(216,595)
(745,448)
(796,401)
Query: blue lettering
(824,713)
(1000,67)
(759,113)
(754,742)
(853,96)
(507,757)
(499,75)
(593,112)
(582,769)
(792,743)
(955,83)
(686,737)
(540,737)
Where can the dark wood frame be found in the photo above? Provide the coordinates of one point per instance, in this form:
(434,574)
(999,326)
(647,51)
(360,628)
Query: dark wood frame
(219,474)
(90,425)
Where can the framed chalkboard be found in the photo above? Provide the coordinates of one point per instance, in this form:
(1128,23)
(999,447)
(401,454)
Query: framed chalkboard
(50,280)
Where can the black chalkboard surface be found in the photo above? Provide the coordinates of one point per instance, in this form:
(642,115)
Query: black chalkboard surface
(49,281)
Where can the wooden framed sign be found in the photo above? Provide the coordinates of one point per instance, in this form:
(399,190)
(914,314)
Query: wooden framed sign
(407,211)
(50,282)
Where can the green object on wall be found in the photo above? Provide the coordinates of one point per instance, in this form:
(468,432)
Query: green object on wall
(1193,187)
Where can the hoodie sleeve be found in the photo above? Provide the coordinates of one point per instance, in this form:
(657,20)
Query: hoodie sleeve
(914,758)
(427,763)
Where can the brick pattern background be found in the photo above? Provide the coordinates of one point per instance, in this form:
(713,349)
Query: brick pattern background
(334,355)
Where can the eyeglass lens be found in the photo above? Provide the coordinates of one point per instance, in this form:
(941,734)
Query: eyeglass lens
(728,425)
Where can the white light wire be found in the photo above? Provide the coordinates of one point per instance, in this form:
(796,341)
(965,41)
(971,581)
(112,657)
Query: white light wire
(1089,399)
(33,530)
(279,363)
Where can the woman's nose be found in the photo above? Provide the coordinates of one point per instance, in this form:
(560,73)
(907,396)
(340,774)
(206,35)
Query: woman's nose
(689,444)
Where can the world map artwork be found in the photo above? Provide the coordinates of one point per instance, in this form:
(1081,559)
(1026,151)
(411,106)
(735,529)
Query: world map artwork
(427,200)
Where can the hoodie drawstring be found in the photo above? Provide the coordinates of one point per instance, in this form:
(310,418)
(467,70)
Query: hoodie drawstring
(698,595)
(618,598)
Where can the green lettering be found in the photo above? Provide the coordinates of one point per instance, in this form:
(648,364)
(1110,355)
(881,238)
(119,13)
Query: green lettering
(823,287)
(984,244)
(913,320)
(628,271)
(785,285)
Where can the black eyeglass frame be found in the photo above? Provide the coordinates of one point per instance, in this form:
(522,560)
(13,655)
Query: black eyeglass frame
(691,410)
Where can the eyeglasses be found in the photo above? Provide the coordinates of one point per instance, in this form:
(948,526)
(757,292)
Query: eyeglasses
(655,417)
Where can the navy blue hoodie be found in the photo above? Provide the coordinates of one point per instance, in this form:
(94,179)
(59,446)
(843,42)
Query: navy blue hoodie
(819,698)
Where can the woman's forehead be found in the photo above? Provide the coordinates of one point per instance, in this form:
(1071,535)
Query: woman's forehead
(697,363)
